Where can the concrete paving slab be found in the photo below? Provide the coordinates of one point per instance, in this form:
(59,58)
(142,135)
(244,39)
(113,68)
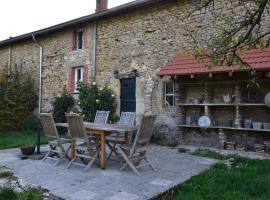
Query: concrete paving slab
(82,195)
(124,196)
(172,167)
(161,182)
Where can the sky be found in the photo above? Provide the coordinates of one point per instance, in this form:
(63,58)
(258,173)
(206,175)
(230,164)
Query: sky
(18,17)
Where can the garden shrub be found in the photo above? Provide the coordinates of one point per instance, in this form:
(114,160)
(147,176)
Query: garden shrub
(62,103)
(32,122)
(7,193)
(93,97)
(18,97)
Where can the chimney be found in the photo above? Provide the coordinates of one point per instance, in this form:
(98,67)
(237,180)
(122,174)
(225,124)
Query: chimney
(101,5)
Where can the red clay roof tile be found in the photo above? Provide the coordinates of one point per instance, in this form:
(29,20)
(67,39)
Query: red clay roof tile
(185,65)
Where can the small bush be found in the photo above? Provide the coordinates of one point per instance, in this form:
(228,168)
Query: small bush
(5,174)
(93,97)
(30,123)
(7,193)
(62,103)
(18,97)
(30,194)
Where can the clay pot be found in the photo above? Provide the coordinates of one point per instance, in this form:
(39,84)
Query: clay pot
(267,99)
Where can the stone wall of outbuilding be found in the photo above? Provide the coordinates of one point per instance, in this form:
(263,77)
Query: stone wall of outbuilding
(146,39)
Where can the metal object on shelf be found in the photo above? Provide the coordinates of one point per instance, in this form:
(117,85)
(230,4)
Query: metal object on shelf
(266,126)
(267,99)
(188,120)
(227,98)
(247,123)
(204,122)
(257,125)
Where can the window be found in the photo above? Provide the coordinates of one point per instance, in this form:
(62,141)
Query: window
(78,77)
(169,97)
(79,36)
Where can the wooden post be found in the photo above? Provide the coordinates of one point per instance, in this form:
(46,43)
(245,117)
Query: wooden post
(206,93)
(180,98)
(222,139)
(238,116)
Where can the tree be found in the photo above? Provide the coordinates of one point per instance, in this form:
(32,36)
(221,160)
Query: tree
(18,97)
(235,35)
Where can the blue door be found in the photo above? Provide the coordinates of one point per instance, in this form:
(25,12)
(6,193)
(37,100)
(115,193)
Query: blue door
(128,95)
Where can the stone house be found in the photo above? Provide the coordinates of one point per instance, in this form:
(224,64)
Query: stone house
(125,47)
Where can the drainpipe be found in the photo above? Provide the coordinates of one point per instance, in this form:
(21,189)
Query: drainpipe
(94,52)
(39,89)
(9,57)
(40,73)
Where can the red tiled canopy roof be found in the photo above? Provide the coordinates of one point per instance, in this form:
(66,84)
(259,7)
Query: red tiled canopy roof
(186,65)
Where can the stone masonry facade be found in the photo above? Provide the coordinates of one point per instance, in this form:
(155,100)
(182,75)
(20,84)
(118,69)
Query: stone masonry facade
(142,40)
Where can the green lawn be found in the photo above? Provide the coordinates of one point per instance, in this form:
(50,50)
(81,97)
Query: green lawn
(247,179)
(12,139)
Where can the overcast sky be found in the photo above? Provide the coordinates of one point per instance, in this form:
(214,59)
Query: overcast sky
(22,16)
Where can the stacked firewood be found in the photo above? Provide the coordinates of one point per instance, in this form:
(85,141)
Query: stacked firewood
(259,148)
(230,145)
(267,147)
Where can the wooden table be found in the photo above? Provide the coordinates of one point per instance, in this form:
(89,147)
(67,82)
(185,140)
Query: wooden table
(102,130)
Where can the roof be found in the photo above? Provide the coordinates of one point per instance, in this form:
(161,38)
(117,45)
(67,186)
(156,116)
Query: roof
(82,20)
(186,64)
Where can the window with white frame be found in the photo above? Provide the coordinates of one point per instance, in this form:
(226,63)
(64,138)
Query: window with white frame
(78,77)
(169,94)
(79,42)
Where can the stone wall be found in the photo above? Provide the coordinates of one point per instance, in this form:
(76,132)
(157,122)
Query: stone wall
(58,58)
(143,40)
(146,39)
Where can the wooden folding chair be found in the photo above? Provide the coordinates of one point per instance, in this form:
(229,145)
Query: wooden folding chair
(134,154)
(56,143)
(126,119)
(85,150)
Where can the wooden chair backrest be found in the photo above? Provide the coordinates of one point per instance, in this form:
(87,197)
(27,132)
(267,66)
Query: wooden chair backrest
(101,117)
(127,119)
(48,126)
(144,132)
(76,127)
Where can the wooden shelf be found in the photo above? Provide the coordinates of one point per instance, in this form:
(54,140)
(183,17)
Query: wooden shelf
(252,104)
(221,127)
(222,104)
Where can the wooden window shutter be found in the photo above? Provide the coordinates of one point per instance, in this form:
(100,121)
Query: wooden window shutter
(85,74)
(85,39)
(72,41)
(71,79)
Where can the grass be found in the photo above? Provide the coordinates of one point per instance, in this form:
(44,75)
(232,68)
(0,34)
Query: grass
(248,180)
(30,194)
(14,139)
(5,174)
(212,154)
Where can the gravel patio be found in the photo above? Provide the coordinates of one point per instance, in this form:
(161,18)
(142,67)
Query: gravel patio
(173,168)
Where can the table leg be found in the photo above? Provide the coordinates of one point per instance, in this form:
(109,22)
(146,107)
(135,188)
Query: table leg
(72,149)
(103,151)
(126,138)
(126,141)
